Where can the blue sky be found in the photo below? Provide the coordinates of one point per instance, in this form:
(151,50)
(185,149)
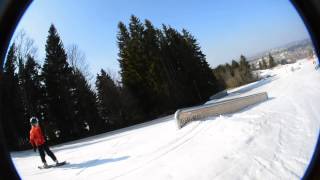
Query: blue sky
(224,28)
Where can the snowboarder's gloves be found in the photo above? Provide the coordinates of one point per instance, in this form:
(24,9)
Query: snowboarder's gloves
(34,149)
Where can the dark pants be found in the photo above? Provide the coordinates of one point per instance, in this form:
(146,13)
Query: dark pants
(44,148)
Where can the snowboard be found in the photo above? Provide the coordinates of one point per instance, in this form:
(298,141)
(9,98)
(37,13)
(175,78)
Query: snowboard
(53,165)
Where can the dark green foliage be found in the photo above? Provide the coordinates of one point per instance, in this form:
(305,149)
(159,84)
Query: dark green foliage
(13,114)
(234,75)
(85,106)
(264,64)
(272,63)
(131,113)
(163,69)
(260,65)
(70,104)
(58,85)
(203,79)
(234,64)
(245,70)
(32,90)
(109,101)
(60,96)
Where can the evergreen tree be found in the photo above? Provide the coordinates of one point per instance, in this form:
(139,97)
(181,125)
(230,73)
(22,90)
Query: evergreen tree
(109,100)
(260,65)
(31,83)
(58,85)
(205,81)
(229,69)
(86,114)
(85,106)
(234,75)
(234,64)
(272,63)
(219,72)
(163,69)
(232,79)
(186,65)
(264,64)
(245,70)
(123,38)
(13,119)
(135,67)
(127,73)
(130,112)
(172,65)
(157,79)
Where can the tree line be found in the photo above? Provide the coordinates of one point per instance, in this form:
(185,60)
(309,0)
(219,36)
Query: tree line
(264,65)
(236,74)
(161,70)
(57,93)
(165,69)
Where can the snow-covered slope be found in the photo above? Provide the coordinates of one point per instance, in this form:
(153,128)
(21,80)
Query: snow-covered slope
(272,140)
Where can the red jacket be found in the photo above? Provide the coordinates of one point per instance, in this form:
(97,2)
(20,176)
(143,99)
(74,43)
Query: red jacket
(36,136)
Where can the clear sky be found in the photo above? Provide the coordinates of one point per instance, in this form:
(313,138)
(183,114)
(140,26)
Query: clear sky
(224,28)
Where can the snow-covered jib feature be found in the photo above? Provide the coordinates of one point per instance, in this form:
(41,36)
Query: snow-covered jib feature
(183,116)
(274,139)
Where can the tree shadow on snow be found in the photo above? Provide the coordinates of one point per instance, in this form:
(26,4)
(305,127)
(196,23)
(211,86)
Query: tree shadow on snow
(94,162)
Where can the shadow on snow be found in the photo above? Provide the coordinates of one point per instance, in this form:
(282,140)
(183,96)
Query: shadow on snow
(94,162)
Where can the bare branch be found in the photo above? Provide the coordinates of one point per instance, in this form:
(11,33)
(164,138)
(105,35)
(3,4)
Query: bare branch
(25,46)
(77,60)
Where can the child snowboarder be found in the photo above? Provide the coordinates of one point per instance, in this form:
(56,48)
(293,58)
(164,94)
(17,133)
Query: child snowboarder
(37,141)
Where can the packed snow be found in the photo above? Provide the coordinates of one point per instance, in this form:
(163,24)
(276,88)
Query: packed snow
(274,139)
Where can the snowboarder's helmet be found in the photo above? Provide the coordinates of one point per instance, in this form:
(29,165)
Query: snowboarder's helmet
(33,120)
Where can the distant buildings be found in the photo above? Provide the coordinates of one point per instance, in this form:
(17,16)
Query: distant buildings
(286,55)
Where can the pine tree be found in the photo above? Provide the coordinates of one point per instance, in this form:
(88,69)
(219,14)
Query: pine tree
(260,65)
(32,87)
(156,75)
(28,79)
(58,85)
(123,38)
(264,64)
(236,74)
(87,119)
(234,64)
(85,106)
(139,77)
(233,77)
(131,113)
(229,69)
(172,65)
(128,74)
(245,70)
(271,61)
(219,72)
(137,58)
(163,69)
(184,61)
(13,119)
(109,100)
(204,79)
